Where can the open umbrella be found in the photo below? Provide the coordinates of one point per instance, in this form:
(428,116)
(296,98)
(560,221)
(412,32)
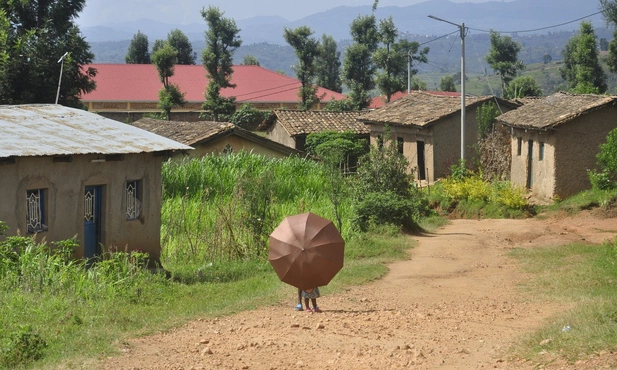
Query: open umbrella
(306,250)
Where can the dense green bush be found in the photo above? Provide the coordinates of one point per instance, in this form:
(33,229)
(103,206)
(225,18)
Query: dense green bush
(385,192)
(20,346)
(606,178)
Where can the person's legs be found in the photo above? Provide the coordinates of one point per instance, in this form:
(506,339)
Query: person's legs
(299,305)
(315,308)
(306,304)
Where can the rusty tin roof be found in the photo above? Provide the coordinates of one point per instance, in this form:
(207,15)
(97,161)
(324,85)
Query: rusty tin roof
(47,129)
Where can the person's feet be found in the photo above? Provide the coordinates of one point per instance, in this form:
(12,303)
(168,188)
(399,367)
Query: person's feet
(298,307)
(316,309)
(308,309)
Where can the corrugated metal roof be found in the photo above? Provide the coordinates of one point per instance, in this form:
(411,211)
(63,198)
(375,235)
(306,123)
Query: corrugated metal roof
(47,129)
(140,83)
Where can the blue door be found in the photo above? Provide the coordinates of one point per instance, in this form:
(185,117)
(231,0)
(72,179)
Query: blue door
(93,196)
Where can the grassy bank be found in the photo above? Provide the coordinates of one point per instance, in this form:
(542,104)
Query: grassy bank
(582,277)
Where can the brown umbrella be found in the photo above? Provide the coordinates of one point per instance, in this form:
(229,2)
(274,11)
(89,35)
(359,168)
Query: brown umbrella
(306,250)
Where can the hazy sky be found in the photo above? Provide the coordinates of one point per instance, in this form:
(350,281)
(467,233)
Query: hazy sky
(188,11)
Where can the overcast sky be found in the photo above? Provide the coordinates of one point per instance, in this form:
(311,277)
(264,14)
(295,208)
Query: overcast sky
(99,12)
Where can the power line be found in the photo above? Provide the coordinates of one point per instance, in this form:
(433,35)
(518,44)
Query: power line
(540,29)
(440,37)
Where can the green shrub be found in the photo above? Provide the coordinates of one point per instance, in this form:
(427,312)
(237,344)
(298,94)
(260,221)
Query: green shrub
(385,208)
(606,178)
(20,347)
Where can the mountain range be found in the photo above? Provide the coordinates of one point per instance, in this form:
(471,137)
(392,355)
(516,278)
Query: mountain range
(506,17)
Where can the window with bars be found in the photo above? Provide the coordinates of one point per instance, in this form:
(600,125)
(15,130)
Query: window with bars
(541,154)
(133,195)
(35,211)
(519,146)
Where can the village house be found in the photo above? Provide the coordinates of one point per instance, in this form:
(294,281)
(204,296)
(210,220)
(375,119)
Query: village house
(291,127)
(427,130)
(214,138)
(66,172)
(555,140)
(126,91)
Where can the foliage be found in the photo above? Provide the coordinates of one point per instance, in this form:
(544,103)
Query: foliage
(138,52)
(447,84)
(358,67)
(384,174)
(391,59)
(464,189)
(34,35)
(503,58)
(20,347)
(351,146)
(222,40)
(606,178)
(611,59)
(328,65)
(486,115)
(342,105)
(170,95)
(581,65)
(248,116)
(178,40)
(521,87)
(307,51)
(250,60)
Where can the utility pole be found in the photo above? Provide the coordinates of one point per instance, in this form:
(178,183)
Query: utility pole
(463,32)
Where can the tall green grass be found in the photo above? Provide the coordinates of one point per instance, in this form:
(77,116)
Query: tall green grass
(221,209)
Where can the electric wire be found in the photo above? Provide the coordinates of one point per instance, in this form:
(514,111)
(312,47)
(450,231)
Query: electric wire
(538,29)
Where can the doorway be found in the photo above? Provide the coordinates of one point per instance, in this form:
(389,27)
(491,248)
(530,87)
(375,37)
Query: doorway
(93,200)
(421,161)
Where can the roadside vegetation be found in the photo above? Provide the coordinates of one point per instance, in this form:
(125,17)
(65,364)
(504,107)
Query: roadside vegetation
(217,214)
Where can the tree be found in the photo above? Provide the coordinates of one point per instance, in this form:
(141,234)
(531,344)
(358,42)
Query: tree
(447,84)
(391,59)
(329,65)
(138,50)
(250,60)
(306,49)
(35,34)
(222,40)
(178,40)
(609,11)
(606,158)
(611,59)
(521,87)
(358,68)
(418,84)
(169,96)
(581,65)
(503,58)
(157,45)
(384,192)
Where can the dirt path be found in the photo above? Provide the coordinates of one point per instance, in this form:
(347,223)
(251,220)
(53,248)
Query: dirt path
(453,305)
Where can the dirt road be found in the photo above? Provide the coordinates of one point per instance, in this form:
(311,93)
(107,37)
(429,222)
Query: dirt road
(453,305)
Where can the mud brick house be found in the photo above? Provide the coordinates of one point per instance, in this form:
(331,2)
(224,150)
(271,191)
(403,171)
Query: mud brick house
(214,138)
(427,129)
(126,91)
(66,172)
(291,127)
(555,141)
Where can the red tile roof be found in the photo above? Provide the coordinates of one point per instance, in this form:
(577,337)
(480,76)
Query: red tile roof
(140,83)
(380,101)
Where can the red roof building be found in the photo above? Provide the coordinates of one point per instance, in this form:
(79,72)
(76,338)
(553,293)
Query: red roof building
(380,101)
(135,87)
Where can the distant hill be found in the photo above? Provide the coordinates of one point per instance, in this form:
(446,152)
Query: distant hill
(262,36)
(518,15)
